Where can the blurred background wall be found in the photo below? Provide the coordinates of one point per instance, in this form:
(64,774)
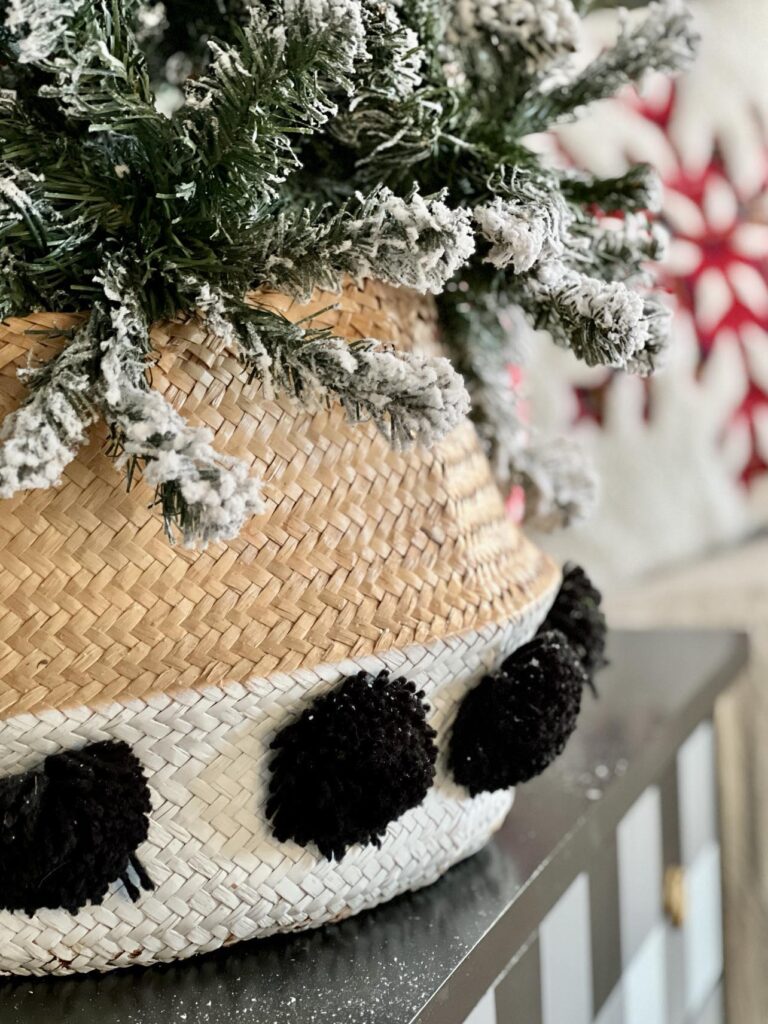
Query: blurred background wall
(680,535)
(683,458)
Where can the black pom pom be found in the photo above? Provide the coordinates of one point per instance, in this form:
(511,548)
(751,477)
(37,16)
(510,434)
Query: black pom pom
(518,719)
(71,827)
(576,613)
(354,761)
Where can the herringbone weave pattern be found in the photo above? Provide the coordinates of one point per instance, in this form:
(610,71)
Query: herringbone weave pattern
(366,558)
(362,549)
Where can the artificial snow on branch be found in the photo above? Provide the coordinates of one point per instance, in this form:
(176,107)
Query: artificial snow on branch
(40,439)
(406,241)
(39,25)
(664,41)
(603,322)
(524,229)
(559,483)
(544,30)
(204,495)
(171,160)
(652,355)
(557,479)
(409,397)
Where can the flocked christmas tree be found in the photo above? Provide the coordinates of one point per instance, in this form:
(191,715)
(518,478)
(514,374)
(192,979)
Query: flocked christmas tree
(160,160)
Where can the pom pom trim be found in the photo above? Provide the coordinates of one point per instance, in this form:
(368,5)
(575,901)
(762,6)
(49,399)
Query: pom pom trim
(353,762)
(71,828)
(517,720)
(576,613)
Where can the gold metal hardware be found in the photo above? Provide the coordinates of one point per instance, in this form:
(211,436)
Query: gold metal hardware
(674,894)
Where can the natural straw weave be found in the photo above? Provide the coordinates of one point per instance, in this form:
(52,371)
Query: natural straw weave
(361,550)
(366,559)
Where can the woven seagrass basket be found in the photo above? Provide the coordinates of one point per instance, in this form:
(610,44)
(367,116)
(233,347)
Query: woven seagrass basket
(366,558)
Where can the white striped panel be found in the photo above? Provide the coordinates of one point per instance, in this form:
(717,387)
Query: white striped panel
(703,928)
(714,1011)
(675,956)
(485,1011)
(613,1008)
(639,847)
(697,789)
(645,981)
(566,958)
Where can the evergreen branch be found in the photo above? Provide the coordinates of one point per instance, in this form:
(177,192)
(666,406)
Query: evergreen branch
(275,82)
(664,41)
(557,479)
(544,32)
(204,495)
(651,357)
(602,322)
(637,191)
(396,111)
(559,483)
(527,221)
(311,140)
(411,242)
(40,26)
(98,73)
(620,249)
(41,438)
(409,397)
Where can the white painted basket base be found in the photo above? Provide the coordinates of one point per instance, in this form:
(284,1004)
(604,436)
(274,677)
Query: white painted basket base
(220,874)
